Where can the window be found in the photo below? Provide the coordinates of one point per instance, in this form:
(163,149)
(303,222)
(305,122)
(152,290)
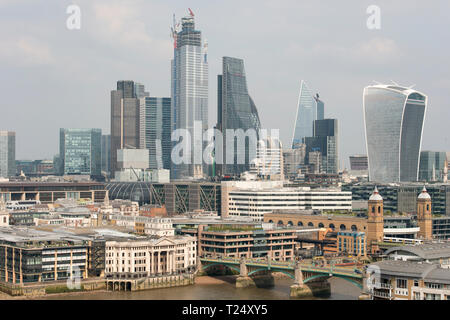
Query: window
(402,283)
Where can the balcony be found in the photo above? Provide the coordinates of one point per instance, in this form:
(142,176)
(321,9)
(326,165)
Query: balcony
(381,294)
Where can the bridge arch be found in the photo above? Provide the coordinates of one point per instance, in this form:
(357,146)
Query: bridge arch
(325,275)
(234,267)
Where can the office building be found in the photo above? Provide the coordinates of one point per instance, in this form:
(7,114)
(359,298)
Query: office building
(156,131)
(359,165)
(309,109)
(255,199)
(106,153)
(7,154)
(236,111)
(125,122)
(433,166)
(189,96)
(80,151)
(269,159)
(292,160)
(150,257)
(325,141)
(394,118)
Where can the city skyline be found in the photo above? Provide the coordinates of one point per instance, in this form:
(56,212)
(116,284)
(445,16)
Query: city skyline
(354,59)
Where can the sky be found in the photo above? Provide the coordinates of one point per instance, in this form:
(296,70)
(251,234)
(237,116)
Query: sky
(52,77)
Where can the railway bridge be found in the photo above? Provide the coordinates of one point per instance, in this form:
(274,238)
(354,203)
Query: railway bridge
(309,278)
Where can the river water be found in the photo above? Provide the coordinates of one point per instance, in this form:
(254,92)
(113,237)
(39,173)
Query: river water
(225,290)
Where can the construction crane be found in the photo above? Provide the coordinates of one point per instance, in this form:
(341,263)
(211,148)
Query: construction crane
(190,12)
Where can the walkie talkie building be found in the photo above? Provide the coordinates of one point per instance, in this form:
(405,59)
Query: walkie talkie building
(394,118)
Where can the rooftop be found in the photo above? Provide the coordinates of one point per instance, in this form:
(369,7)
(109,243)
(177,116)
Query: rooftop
(426,251)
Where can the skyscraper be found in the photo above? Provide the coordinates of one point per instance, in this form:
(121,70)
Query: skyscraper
(309,108)
(7,154)
(236,110)
(80,151)
(124,119)
(394,118)
(189,94)
(325,141)
(156,131)
(432,165)
(106,153)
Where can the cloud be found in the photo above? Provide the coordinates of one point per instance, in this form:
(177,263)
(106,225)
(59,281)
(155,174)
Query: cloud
(25,51)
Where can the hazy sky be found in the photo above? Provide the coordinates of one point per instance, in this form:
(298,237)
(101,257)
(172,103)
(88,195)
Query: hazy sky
(52,77)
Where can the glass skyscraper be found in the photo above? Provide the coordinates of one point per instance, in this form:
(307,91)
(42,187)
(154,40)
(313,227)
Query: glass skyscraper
(189,94)
(156,131)
(124,118)
(80,151)
(236,110)
(309,109)
(325,141)
(7,154)
(432,165)
(106,153)
(394,118)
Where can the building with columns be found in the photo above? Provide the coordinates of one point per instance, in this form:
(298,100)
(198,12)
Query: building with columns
(150,257)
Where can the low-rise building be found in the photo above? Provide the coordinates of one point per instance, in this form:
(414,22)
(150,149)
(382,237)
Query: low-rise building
(161,227)
(150,257)
(408,280)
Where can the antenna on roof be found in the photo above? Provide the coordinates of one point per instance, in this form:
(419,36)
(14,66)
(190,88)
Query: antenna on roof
(395,83)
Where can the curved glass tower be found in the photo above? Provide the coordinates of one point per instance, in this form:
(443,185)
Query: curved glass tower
(236,110)
(309,109)
(394,118)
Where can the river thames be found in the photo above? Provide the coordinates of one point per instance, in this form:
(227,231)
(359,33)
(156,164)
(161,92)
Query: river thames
(221,288)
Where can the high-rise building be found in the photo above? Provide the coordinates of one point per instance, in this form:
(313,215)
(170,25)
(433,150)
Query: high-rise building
(156,130)
(7,154)
(309,109)
(269,159)
(124,119)
(325,141)
(80,151)
(394,118)
(106,153)
(432,166)
(236,110)
(189,94)
(292,160)
(139,90)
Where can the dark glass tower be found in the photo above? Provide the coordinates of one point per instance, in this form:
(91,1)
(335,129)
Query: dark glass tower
(236,110)
(156,131)
(325,141)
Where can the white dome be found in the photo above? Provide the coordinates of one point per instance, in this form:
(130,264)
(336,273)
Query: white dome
(375,196)
(424,194)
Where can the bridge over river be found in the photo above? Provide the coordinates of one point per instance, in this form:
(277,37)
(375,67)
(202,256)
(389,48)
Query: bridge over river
(310,278)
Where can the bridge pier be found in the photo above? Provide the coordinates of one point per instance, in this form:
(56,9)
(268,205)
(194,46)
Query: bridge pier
(299,289)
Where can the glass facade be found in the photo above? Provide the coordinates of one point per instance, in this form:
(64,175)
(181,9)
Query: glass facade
(7,154)
(432,165)
(156,131)
(325,141)
(124,118)
(237,111)
(106,153)
(80,151)
(394,119)
(309,109)
(189,96)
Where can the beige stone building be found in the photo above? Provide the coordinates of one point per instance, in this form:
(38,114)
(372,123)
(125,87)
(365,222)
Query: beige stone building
(150,257)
